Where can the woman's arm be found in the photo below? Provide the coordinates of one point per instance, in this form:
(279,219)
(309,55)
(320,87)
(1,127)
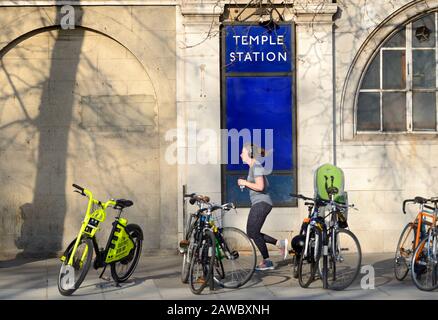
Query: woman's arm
(258,185)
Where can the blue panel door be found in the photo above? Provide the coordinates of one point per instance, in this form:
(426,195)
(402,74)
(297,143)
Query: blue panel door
(257,84)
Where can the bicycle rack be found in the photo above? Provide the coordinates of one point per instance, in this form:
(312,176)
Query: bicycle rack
(184,191)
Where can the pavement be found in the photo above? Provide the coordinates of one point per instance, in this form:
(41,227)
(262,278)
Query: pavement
(158,278)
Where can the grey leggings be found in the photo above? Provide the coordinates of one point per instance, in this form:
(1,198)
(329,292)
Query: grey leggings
(256,219)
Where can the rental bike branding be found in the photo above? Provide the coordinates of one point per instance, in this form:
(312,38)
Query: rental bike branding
(122,251)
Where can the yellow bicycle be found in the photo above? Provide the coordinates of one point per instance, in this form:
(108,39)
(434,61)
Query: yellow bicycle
(122,250)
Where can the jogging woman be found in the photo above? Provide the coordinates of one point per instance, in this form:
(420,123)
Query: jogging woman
(261,205)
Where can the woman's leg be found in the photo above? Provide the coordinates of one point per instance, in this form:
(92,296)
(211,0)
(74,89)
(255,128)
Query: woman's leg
(269,239)
(256,219)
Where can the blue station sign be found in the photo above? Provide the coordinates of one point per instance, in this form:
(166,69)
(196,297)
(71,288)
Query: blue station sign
(253,48)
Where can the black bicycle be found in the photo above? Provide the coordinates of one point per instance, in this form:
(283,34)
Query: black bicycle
(328,237)
(214,254)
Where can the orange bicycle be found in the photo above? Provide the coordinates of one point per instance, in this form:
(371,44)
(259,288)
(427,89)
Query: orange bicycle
(412,234)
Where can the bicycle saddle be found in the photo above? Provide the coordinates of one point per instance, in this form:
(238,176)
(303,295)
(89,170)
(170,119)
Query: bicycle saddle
(420,200)
(200,198)
(434,199)
(123,203)
(332,190)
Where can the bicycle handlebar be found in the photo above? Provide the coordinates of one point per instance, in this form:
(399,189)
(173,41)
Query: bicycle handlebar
(319,201)
(300,196)
(213,207)
(87,193)
(419,200)
(404,204)
(79,188)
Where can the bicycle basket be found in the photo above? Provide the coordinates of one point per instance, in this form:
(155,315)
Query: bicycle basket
(343,199)
(216,218)
(342,219)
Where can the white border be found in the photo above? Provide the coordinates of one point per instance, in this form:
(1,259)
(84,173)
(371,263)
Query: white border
(27,3)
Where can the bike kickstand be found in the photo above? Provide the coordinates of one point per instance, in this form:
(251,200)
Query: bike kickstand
(101,275)
(211,284)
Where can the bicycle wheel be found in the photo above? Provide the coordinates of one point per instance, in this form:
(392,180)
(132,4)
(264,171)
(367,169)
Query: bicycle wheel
(236,255)
(404,251)
(71,277)
(424,264)
(308,262)
(123,269)
(344,261)
(202,264)
(188,254)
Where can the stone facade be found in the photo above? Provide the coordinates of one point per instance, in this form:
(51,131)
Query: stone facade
(95,106)
(334,42)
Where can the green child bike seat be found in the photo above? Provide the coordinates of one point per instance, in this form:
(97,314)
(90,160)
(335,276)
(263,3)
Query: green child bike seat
(332,176)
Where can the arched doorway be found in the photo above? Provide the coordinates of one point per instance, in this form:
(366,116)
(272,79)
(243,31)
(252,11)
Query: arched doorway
(75,107)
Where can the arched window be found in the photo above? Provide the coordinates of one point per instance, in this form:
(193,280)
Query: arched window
(398,91)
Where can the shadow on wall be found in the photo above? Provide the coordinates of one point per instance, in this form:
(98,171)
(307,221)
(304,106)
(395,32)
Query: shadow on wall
(43,219)
(67,117)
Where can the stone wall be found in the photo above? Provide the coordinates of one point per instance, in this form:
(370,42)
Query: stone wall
(95,105)
(381,170)
(89,106)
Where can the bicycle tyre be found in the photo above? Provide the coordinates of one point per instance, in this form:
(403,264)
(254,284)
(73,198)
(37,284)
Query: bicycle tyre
(202,261)
(84,269)
(401,263)
(134,256)
(235,260)
(187,256)
(315,247)
(337,268)
(421,253)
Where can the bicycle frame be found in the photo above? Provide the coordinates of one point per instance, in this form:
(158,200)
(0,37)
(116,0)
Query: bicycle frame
(312,224)
(431,231)
(205,222)
(114,250)
(422,218)
(329,231)
(206,218)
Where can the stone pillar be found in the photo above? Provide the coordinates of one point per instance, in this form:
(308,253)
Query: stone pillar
(198,99)
(314,89)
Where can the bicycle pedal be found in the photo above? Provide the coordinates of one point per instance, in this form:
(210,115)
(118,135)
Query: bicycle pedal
(200,280)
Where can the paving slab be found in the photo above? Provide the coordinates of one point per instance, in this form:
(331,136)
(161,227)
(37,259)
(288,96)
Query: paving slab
(158,278)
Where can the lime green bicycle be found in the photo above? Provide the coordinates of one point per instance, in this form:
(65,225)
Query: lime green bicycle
(122,250)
